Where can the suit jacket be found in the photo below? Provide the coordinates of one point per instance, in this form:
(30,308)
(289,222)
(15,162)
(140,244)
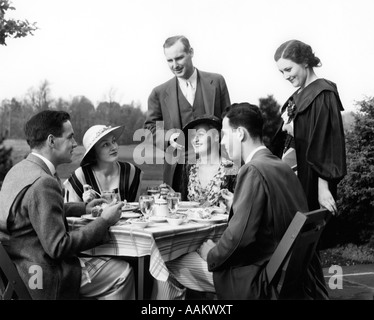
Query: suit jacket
(163,106)
(34,230)
(267,196)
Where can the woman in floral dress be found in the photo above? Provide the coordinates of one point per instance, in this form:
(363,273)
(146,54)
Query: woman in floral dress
(206,171)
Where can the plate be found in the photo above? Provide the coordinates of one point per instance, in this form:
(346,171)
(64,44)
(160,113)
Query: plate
(125,215)
(213,219)
(188,204)
(130,215)
(157,219)
(218,210)
(139,223)
(129,207)
(88,217)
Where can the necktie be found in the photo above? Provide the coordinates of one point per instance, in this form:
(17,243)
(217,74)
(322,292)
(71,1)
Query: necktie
(190,96)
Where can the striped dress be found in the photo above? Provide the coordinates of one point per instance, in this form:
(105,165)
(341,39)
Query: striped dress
(130,179)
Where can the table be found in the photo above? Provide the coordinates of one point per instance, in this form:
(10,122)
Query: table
(160,241)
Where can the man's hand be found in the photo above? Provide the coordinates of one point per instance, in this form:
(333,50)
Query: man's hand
(173,143)
(94,203)
(112,213)
(205,248)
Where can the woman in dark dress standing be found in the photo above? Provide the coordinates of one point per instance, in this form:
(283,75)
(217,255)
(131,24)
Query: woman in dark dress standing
(312,125)
(311,135)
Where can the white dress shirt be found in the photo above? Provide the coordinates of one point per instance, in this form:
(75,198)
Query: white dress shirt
(188,87)
(250,156)
(49,164)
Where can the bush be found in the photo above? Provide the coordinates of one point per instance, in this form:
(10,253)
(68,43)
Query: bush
(5,159)
(356,191)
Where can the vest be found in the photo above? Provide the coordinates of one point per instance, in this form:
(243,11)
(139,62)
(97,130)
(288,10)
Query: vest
(188,113)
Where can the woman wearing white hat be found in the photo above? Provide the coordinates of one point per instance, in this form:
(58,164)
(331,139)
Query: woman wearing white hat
(101,170)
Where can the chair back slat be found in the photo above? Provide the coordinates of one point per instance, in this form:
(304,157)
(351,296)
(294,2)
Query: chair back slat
(283,249)
(11,284)
(291,259)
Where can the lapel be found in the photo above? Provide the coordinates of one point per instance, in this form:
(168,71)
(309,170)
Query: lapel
(39,162)
(171,103)
(25,174)
(208,90)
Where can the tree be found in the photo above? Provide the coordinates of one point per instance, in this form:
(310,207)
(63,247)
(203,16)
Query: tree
(272,118)
(81,111)
(13,28)
(5,158)
(41,99)
(16,29)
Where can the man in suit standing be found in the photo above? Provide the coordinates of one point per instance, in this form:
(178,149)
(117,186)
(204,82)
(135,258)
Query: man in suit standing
(171,105)
(34,230)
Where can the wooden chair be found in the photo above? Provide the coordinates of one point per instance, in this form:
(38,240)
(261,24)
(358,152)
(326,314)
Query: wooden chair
(11,284)
(289,263)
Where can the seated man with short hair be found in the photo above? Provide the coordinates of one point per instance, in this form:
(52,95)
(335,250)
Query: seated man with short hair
(34,230)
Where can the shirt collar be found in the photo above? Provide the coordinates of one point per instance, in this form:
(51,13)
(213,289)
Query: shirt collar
(192,80)
(49,164)
(249,158)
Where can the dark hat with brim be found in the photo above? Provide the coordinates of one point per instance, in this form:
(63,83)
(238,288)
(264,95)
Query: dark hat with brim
(208,120)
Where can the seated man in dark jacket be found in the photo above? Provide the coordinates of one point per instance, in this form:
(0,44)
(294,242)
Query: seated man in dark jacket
(266,198)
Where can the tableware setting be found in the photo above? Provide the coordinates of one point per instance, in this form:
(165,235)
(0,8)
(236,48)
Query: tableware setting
(110,196)
(130,206)
(173,199)
(188,204)
(124,215)
(158,219)
(176,219)
(146,203)
(154,191)
(215,218)
(207,215)
(141,222)
(129,215)
(160,208)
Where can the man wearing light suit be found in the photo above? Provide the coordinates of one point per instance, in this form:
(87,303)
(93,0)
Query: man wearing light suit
(34,230)
(190,94)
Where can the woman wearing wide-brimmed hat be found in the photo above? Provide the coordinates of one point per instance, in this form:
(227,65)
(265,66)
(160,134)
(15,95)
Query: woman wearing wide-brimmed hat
(100,169)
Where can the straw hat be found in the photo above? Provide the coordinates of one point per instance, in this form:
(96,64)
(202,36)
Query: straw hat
(94,134)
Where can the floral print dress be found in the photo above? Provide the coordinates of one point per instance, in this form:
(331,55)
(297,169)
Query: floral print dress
(211,192)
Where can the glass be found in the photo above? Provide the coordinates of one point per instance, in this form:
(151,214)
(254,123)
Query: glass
(146,203)
(154,191)
(110,196)
(173,199)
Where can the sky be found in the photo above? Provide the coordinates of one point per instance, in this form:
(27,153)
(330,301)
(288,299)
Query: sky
(113,48)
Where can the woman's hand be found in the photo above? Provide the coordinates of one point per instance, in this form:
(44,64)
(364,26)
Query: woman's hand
(89,194)
(228,197)
(325,198)
(165,188)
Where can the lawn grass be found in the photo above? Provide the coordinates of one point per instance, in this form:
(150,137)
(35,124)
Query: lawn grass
(152,172)
(347,255)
